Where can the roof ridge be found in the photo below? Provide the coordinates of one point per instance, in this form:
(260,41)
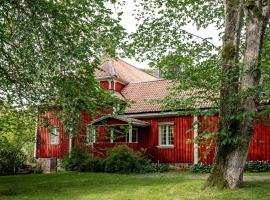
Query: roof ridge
(139,69)
(136,82)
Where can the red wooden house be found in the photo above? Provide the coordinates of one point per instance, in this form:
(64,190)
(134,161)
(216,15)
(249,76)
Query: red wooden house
(162,134)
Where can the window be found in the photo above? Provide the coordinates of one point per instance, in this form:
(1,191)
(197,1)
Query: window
(133,136)
(54,135)
(166,134)
(91,135)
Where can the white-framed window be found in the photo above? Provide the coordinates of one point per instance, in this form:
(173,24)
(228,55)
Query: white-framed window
(91,134)
(166,134)
(54,135)
(133,136)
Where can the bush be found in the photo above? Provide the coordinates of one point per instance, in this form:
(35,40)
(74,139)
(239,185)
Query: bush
(92,165)
(124,160)
(155,167)
(257,166)
(75,160)
(201,168)
(11,159)
(120,159)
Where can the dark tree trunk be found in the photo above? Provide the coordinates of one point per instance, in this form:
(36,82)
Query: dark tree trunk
(238,101)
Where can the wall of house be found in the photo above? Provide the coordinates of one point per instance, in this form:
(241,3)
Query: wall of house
(182,152)
(44,148)
(259,146)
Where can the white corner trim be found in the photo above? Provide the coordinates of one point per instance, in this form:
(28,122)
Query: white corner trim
(196,147)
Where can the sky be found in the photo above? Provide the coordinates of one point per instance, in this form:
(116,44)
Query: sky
(129,23)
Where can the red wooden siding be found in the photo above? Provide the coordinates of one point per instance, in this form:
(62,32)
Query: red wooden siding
(207,151)
(260,144)
(44,148)
(105,85)
(182,152)
(119,86)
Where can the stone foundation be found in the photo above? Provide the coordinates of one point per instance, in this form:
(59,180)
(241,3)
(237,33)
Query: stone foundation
(180,166)
(48,165)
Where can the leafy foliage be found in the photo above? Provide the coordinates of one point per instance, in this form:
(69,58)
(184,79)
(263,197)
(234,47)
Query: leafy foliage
(257,166)
(125,160)
(92,165)
(74,161)
(50,50)
(201,168)
(11,158)
(120,159)
(17,129)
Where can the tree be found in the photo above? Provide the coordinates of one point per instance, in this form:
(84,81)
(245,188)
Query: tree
(232,71)
(50,50)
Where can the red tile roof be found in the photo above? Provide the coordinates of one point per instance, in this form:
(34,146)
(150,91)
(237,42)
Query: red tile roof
(141,93)
(123,71)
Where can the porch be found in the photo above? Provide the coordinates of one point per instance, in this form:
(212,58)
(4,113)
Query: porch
(112,130)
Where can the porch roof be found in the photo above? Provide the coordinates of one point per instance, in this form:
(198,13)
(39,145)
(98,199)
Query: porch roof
(128,120)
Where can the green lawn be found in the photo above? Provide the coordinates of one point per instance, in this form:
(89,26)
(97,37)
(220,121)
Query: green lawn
(99,186)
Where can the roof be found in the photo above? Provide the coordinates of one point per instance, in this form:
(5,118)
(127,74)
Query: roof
(128,120)
(142,94)
(121,70)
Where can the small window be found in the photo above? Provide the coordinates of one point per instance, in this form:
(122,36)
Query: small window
(54,135)
(166,134)
(133,136)
(91,135)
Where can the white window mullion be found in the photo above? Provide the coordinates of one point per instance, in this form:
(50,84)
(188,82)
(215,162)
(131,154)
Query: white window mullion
(167,134)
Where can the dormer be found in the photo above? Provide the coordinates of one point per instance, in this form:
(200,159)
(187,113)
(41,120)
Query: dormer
(115,74)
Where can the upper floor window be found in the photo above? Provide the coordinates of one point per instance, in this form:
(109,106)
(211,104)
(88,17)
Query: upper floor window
(54,135)
(166,134)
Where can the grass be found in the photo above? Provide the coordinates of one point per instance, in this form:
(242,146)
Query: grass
(99,186)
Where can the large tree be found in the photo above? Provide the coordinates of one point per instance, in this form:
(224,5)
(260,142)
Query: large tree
(232,71)
(49,50)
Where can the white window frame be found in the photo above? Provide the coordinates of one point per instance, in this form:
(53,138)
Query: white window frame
(90,129)
(166,124)
(130,135)
(54,135)
(111,135)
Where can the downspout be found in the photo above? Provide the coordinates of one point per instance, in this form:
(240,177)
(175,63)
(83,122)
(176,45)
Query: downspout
(36,135)
(196,147)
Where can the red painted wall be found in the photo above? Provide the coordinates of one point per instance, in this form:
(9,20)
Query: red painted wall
(119,86)
(260,144)
(148,140)
(44,148)
(105,85)
(182,151)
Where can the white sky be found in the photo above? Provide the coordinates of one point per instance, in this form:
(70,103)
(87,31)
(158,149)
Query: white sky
(129,23)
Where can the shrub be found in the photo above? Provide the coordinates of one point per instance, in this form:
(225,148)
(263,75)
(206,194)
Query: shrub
(92,165)
(201,168)
(11,159)
(75,160)
(257,166)
(123,159)
(155,167)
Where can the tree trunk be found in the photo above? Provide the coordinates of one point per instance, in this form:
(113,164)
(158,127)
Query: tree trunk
(238,106)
